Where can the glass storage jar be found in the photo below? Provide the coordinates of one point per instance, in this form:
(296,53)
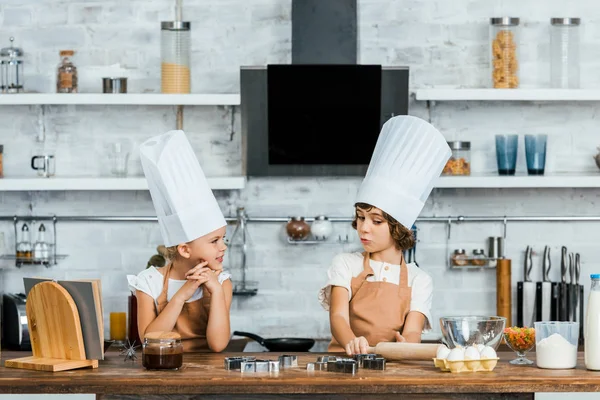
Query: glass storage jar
(564,53)
(460,161)
(66,74)
(162,350)
(504,52)
(459,258)
(175,47)
(478,258)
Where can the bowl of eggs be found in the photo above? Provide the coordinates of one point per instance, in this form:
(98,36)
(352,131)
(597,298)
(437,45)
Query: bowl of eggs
(465,331)
(466,359)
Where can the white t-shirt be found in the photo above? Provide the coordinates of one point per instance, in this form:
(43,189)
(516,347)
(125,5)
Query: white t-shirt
(150,281)
(346,266)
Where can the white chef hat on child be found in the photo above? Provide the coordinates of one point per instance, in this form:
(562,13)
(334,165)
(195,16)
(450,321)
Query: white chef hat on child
(184,203)
(409,156)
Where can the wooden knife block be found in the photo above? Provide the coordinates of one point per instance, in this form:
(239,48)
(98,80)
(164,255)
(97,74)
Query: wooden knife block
(54,330)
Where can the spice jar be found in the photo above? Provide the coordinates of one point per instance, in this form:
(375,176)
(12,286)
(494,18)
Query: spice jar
(175,49)
(564,53)
(460,161)
(24,251)
(504,55)
(11,69)
(479,258)
(459,258)
(297,228)
(1,161)
(321,228)
(66,80)
(162,350)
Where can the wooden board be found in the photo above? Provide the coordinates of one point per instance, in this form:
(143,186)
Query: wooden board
(49,364)
(54,325)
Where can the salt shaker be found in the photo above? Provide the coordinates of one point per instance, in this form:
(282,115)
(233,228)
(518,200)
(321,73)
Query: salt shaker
(321,228)
(40,249)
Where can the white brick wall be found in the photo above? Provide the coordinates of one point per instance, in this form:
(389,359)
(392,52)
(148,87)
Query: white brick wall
(444,43)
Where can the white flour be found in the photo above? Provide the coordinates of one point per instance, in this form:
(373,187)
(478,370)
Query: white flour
(555,352)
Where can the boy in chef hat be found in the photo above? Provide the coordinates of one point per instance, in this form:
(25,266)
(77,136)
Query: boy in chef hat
(191,295)
(374,296)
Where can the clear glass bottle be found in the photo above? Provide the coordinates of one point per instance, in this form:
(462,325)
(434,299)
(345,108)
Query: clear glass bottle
(41,251)
(66,79)
(162,350)
(460,161)
(24,246)
(504,52)
(564,53)
(592,326)
(175,50)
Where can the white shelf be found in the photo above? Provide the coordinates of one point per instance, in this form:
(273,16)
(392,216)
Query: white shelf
(120,99)
(41,184)
(507,94)
(520,181)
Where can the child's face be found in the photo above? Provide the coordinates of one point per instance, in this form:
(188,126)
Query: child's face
(373,230)
(211,248)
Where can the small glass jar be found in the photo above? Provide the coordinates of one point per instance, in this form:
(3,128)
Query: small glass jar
(460,161)
(504,52)
(459,258)
(297,228)
(564,53)
(162,350)
(479,258)
(321,228)
(66,79)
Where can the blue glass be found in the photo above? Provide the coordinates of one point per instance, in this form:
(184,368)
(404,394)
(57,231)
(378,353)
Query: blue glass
(535,151)
(506,153)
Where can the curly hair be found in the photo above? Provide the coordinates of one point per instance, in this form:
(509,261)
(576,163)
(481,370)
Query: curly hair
(403,237)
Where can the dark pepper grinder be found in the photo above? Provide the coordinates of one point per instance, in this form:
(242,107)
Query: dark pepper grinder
(133,335)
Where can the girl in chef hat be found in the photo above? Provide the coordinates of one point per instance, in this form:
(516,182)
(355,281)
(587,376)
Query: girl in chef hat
(375,296)
(191,295)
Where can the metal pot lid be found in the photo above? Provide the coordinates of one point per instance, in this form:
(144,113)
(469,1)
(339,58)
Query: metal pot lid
(11,51)
(175,25)
(565,21)
(504,21)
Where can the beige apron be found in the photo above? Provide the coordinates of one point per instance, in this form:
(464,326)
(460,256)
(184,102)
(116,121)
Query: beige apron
(377,309)
(193,319)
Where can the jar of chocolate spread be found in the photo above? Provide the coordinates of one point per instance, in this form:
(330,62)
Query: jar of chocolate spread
(162,350)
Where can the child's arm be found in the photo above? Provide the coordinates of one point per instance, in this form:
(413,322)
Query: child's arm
(218,329)
(413,326)
(148,321)
(339,319)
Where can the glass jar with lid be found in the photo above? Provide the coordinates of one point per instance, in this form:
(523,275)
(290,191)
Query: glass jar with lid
(479,259)
(564,53)
(460,161)
(162,350)
(11,69)
(175,49)
(459,258)
(504,52)
(66,79)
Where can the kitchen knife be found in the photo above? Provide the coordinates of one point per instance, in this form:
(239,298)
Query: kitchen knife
(572,289)
(579,297)
(543,293)
(526,293)
(563,311)
(405,351)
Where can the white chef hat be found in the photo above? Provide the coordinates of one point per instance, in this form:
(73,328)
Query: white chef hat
(184,203)
(409,156)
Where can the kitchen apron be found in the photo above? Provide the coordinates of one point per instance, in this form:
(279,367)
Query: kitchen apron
(377,309)
(193,319)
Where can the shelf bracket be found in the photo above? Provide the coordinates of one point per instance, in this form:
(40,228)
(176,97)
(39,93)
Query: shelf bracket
(41,122)
(179,121)
(430,106)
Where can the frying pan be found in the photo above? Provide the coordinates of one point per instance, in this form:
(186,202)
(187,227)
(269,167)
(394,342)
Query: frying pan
(280,344)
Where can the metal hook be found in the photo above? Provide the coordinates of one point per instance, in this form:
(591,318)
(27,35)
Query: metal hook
(505,222)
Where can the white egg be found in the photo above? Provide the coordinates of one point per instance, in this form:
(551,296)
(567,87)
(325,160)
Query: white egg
(471,353)
(457,354)
(442,352)
(480,347)
(488,353)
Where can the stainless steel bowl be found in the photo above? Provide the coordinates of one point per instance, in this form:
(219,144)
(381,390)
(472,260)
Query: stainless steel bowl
(469,330)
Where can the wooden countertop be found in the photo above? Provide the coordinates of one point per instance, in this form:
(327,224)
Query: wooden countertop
(203,373)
